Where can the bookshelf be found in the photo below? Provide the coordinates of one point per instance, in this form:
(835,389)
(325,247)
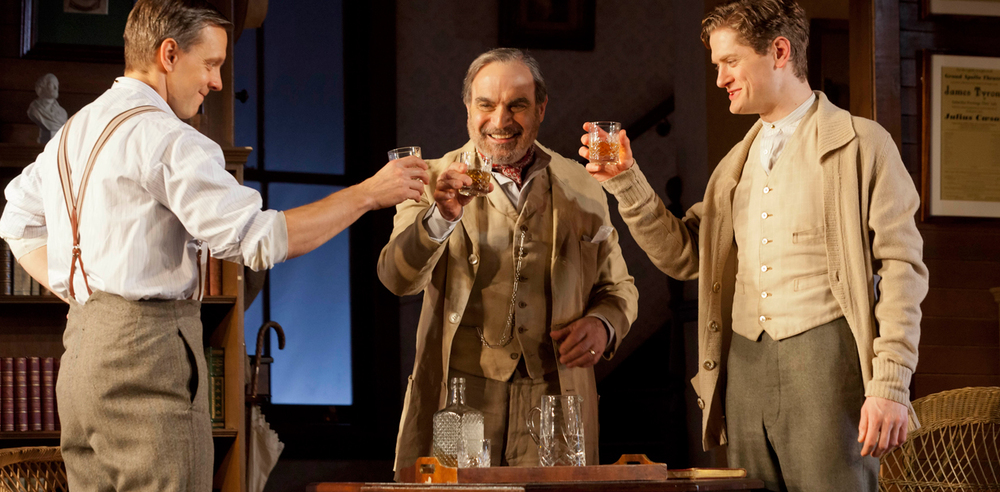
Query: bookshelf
(33,326)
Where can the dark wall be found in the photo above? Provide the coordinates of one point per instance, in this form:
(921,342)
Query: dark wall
(959,343)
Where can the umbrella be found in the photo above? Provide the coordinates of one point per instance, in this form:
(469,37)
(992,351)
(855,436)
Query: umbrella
(263,446)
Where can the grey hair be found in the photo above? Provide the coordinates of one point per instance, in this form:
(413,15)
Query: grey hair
(505,55)
(152,22)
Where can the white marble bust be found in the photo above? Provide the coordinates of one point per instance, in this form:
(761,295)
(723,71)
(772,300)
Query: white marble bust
(46,111)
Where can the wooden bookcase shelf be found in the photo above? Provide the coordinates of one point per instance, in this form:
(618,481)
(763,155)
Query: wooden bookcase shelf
(33,326)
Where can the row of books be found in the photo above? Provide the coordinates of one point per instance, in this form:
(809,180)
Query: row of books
(28,394)
(15,281)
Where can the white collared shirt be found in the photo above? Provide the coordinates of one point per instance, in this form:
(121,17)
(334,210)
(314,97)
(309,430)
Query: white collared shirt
(158,191)
(774,136)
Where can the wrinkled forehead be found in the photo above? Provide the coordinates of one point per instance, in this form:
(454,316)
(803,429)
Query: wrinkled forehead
(501,81)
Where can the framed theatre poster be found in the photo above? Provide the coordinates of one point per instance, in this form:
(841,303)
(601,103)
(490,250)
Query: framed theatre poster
(961,7)
(961,141)
(547,24)
(74,30)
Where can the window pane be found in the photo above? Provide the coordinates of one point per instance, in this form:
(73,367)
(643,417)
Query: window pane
(245,78)
(304,87)
(310,298)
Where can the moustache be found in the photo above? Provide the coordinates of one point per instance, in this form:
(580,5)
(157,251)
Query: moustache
(514,129)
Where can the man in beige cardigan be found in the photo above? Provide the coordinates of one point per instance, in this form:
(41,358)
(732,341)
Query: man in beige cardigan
(525,289)
(808,382)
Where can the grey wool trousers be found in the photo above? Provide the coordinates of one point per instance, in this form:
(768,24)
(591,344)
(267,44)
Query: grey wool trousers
(133,397)
(792,411)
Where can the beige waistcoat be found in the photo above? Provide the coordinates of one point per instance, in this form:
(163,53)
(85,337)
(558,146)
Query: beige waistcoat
(782,285)
(490,298)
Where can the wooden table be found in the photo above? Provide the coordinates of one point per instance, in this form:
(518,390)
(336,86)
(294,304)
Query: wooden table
(706,484)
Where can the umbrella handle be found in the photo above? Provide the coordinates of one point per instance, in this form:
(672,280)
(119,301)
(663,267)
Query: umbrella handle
(260,348)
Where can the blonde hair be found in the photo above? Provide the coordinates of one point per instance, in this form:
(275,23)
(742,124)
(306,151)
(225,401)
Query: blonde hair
(759,22)
(152,22)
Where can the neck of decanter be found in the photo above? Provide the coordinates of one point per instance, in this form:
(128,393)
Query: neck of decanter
(456,392)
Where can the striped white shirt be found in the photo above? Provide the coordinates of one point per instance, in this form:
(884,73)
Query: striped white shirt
(158,193)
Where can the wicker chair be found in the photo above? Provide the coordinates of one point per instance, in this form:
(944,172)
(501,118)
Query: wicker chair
(956,447)
(35,469)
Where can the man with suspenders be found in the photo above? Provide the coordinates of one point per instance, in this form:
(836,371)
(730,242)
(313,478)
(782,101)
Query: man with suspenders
(116,216)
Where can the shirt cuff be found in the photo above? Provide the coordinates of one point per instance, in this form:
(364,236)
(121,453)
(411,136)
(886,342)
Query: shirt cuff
(438,227)
(611,332)
(23,246)
(271,249)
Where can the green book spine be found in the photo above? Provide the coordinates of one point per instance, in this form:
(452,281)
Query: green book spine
(216,359)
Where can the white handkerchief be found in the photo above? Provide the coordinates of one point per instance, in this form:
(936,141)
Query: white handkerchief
(602,234)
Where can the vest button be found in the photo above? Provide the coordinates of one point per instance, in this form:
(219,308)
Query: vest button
(709,365)
(522,329)
(522,304)
(763,268)
(454,318)
(762,319)
(763,215)
(716,287)
(474,259)
(764,241)
(522,278)
(701,403)
(763,295)
(524,228)
(713,326)
(514,356)
(767,190)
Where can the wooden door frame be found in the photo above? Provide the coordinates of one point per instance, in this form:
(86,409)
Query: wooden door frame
(875,87)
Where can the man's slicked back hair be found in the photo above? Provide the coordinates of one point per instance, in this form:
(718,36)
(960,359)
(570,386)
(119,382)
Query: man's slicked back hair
(505,55)
(759,22)
(152,22)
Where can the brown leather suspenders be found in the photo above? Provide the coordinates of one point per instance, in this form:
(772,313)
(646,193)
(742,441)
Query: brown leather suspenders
(74,202)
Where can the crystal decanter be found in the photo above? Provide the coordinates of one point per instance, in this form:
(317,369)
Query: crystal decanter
(455,422)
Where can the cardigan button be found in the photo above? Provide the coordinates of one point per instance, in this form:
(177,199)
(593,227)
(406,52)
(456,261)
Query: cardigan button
(713,326)
(716,287)
(701,403)
(474,259)
(454,318)
(709,365)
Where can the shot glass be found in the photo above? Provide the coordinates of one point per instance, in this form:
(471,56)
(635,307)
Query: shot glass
(604,142)
(403,152)
(480,172)
(473,453)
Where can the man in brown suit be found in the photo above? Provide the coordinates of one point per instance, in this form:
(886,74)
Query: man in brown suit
(524,289)
(810,374)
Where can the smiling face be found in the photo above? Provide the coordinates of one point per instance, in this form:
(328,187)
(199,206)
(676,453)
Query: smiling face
(196,72)
(751,79)
(503,116)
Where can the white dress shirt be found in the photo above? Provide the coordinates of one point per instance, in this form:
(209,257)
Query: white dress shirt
(159,193)
(774,136)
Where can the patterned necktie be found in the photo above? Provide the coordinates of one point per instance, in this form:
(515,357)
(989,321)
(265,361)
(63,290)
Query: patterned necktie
(515,171)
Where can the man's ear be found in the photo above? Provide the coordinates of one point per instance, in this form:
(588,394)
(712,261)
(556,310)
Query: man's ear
(782,51)
(541,109)
(167,55)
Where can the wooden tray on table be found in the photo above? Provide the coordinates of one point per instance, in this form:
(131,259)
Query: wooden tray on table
(630,467)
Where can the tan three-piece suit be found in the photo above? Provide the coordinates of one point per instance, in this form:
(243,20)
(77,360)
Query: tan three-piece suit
(570,270)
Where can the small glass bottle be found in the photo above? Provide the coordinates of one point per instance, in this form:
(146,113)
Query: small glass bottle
(455,422)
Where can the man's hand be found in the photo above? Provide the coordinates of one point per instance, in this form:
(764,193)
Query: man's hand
(449,200)
(604,172)
(883,426)
(399,180)
(581,342)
